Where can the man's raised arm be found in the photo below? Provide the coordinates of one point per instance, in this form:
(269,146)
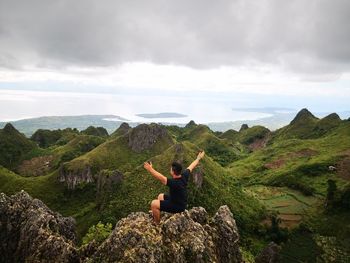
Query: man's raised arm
(157,175)
(195,162)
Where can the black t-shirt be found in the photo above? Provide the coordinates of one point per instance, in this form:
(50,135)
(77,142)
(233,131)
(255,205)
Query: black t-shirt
(177,189)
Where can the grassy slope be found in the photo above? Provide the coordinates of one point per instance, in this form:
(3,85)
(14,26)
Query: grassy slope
(307,170)
(115,154)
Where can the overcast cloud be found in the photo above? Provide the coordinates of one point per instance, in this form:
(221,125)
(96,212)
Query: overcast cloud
(139,55)
(305,37)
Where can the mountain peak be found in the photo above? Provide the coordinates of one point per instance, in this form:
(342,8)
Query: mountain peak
(9,128)
(302,116)
(190,124)
(244,127)
(333,116)
(144,136)
(124,126)
(121,130)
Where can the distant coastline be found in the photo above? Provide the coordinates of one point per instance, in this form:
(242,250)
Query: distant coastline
(161,115)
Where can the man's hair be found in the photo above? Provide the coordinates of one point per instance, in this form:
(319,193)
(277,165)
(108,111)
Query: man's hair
(177,168)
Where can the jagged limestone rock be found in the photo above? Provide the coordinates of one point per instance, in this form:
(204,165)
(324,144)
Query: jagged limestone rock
(144,136)
(72,178)
(30,232)
(106,180)
(226,236)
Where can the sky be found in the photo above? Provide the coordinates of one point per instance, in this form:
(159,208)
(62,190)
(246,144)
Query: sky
(60,57)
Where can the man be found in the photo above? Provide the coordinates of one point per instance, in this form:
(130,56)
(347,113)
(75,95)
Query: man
(176,200)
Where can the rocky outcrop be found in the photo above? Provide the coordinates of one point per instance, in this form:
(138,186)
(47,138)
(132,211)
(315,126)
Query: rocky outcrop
(144,136)
(123,129)
(106,179)
(30,232)
(243,127)
(183,237)
(74,177)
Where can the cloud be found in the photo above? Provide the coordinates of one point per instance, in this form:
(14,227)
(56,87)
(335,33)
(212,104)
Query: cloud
(309,38)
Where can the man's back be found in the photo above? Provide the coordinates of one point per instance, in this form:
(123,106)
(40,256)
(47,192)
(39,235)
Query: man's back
(178,189)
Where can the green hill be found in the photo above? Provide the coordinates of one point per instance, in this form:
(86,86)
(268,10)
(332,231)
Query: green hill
(13,146)
(96,131)
(46,138)
(221,150)
(122,153)
(307,126)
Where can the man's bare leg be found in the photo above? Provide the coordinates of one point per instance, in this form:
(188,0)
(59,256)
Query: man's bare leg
(155,206)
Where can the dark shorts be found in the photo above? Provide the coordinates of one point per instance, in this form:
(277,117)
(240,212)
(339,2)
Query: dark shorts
(167,206)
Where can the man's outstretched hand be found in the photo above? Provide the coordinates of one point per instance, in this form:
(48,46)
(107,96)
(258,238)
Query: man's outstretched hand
(147,166)
(200,155)
(157,175)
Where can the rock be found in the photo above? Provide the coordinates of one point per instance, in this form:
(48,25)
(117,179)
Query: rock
(179,153)
(226,236)
(244,127)
(106,180)
(182,237)
(75,177)
(144,136)
(30,232)
(134,239)
(270,254)
(199,215)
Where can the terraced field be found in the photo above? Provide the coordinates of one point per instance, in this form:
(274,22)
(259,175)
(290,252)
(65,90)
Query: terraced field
(290,205)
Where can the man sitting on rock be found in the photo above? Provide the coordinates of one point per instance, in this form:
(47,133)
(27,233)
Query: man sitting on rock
(176,200)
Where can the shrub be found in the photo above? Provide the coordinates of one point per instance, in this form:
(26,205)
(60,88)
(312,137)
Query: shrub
(98,232)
